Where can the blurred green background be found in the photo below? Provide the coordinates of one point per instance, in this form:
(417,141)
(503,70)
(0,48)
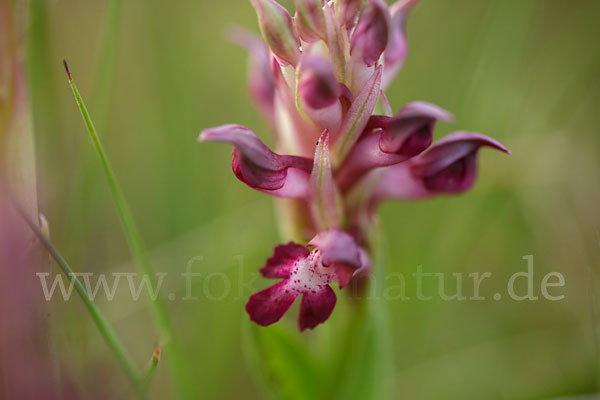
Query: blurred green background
(522,71)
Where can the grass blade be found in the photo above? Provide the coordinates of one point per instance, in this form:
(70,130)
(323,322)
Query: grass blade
(179,372)
(106,330)
(105,67)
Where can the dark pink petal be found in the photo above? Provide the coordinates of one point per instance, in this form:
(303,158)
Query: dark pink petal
(370,36)
(258,167)
(348,11)
(283,259)
(268,306)
(316,307)
(411,130)
(377,122)
(278,30)
(310,20)
(337,247)
(296,133)
(336,257)
(450,149)
(455,178)
(344,273)
(399,138)
(261,84)
(395,52)
(449,166)
(317,85)
(319,92)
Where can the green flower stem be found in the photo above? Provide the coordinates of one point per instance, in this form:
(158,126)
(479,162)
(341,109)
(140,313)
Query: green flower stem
(363,363)
(158,308)
(349,342)
(101,322)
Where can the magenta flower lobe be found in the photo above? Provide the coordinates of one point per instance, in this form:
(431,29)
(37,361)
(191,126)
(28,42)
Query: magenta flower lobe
(257,166)
(307,273)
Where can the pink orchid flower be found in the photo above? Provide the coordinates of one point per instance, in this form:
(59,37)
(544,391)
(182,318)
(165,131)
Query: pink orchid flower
(318,84)
(336,258)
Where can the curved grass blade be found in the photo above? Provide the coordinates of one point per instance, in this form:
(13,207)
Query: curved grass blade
(176,361)
(106,330)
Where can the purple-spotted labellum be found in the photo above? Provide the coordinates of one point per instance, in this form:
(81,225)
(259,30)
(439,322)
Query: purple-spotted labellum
(335,257)
(317,78)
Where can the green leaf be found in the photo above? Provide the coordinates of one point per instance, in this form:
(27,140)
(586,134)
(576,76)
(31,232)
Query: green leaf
(364,371)
(363,367)
(281,363)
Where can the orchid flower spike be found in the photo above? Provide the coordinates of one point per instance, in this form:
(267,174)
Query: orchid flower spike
(317,78)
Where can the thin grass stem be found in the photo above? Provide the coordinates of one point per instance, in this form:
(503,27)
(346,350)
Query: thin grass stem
(176,363)
(99,319)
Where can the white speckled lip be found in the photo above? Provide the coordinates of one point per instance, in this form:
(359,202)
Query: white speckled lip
(309,275)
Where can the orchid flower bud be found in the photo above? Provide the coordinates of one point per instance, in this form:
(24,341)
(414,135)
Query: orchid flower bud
(310,20)
(261,83)
(258,167)
(449,166)
(317,85)
(392,140)
(296,134)
(370,36)
(319,92)
(348,11)
(278,30)
(395,52)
